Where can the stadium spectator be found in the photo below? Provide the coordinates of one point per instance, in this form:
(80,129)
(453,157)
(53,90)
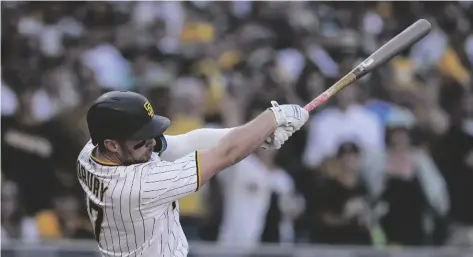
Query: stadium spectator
(347,121)
(339,209)
(408,181)
(259,202)
(16,225)
(65,220)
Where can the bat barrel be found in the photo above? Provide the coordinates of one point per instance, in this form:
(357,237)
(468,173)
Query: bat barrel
(399,43)
(406,38)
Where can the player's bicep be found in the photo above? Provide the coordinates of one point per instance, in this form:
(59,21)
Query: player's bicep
(169,181)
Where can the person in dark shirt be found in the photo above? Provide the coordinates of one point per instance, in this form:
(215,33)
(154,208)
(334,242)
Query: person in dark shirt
(456,163)
(403,191)
(339,213)
(28,155)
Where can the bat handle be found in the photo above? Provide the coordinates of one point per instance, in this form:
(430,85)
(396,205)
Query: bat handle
(322,98)
(317,101)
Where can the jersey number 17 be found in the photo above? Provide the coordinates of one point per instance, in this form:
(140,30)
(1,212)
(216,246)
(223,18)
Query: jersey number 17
(96,213)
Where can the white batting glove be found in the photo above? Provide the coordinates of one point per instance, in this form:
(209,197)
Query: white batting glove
(289,115)
(290,118)
(278,138)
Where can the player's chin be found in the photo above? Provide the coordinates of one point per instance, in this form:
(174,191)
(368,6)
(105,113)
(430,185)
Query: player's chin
(147,157)
(142,160)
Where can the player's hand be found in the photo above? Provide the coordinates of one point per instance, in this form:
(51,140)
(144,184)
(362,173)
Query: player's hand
(289,115)
(278,138)
(290,118)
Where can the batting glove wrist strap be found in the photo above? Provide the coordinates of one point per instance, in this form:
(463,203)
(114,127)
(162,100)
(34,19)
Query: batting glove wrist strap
(289,115)
(279,114)
(290,118)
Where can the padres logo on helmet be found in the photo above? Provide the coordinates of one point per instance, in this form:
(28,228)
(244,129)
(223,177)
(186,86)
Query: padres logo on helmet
(149,109)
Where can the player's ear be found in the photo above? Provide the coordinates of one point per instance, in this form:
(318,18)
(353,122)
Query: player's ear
(111,145)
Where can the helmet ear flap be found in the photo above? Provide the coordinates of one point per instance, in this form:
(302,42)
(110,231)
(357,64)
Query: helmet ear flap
(161,144)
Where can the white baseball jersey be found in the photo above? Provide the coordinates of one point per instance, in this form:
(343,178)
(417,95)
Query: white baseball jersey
(134,209)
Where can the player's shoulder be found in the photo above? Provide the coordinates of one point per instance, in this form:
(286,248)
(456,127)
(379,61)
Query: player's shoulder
(159,165)
(190,157)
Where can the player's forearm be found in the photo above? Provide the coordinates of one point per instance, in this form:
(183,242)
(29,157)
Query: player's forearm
(243,140)
(181,145)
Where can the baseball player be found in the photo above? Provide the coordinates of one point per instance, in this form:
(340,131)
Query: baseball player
(133,175)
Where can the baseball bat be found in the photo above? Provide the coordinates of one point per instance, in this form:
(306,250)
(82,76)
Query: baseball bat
(393,47)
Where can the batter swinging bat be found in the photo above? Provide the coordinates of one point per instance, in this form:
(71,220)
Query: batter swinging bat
(403,40)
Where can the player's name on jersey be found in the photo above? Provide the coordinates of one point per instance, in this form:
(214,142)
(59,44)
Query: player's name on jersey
(91,181)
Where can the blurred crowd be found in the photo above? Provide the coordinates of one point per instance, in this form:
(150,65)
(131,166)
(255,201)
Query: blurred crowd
(387,161)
